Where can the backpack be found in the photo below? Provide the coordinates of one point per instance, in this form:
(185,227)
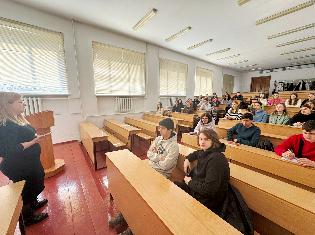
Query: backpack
(236,212)
(265,144)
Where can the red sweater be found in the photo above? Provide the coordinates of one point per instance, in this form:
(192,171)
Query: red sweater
(293,143)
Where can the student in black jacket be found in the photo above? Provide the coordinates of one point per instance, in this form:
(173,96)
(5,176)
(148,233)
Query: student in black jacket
(208,181)
(306,113)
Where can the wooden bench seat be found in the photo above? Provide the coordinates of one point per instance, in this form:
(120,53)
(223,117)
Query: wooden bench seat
(91,136)
(187,119)
(115,141)
(160,206)
(279,207)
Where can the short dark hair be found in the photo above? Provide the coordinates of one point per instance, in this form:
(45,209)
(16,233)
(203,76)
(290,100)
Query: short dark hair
(212,135)
(258,102)
(309,125)
(248,116)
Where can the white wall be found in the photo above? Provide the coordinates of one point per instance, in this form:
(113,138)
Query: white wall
(296,74)
(82,103)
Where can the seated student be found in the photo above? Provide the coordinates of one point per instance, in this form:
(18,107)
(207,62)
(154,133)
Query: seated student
(312,104)
(311,97)
(259,114)
(162,155)
(279,116)
(243,108)
(238,96)
(163,152)
(159,108)
(262,99)
(306,113)
(208,181)
(246,132)
(206,105)
(178,106)
(300,147)
(275,99)
(233,112)
(293,101)
(227,100)
(189,108)
(206,122)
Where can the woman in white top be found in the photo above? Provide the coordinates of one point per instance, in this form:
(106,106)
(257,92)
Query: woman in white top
(206,122)
(293,101)
(206,105)
(159,108)
(262,99)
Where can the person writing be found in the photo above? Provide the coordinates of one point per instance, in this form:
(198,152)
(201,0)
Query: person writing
(20,151)
(300,147)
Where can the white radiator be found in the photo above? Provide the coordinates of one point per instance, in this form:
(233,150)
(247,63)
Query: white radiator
(123,104)
(32,105)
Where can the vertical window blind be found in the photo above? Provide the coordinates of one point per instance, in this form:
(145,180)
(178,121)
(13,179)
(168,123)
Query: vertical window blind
(118,71)
(203,81)
(173,77)
(32,59)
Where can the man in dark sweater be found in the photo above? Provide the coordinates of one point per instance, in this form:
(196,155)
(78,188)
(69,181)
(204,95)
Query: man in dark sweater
(246,132)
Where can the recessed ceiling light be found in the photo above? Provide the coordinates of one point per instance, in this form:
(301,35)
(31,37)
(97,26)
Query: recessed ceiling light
(241,2)
(292,31)
(299,50)
(229,57)
(147,17)
(199,44)
(179,33)
(219,51)
(285,12)
(296,41)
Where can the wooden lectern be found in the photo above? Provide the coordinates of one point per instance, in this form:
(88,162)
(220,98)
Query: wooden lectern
(42,122)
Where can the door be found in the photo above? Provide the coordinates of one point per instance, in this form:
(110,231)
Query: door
(260,84)
(228,84)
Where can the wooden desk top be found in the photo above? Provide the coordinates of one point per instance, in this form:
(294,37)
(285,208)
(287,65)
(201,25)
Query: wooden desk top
(143,121)
(95,133)
(181,213)
(292,194)
(125,126)
(11,206)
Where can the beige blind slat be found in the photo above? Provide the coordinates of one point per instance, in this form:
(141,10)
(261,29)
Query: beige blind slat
(173,77)
(32,59)
(203,81)
(118,71)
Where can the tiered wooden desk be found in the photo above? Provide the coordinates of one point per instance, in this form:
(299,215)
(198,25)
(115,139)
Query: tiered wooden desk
(301,94)
(11,206)
(275,133)
(120,134)
(279,207)
(42,122)
(147,127)
(152,117)
(91,135)
(188,119)
(151,204)
(290,110)
(263,161)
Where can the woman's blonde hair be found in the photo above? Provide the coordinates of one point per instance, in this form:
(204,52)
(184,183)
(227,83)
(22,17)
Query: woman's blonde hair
(7,98)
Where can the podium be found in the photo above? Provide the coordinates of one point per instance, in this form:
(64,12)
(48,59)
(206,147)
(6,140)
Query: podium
(42,122)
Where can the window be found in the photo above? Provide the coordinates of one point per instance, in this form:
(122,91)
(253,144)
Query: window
(118,71)
(32,59)
(203,81)
(172,78)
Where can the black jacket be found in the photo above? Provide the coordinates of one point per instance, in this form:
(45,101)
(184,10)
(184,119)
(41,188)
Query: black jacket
(210,178)
(299,117)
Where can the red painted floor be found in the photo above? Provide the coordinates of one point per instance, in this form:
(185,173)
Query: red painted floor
(78,197)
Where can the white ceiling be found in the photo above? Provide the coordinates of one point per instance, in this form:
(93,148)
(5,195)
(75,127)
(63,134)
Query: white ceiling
(229,24)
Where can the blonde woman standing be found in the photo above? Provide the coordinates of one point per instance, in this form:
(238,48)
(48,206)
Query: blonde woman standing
(20,153)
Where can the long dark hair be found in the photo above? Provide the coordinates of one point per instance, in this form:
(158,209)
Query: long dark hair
(284,110)
(207,115)
(211,135)
(295,100)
